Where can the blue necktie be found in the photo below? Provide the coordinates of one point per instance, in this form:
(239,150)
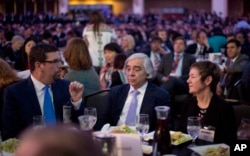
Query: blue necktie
(131,116)
(48,107)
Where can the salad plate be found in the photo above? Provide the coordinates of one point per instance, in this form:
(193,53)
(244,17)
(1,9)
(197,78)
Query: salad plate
(177,138)
(212,150)
(9,146)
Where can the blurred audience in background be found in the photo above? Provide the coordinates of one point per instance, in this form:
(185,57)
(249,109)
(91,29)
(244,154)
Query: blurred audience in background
(110,51)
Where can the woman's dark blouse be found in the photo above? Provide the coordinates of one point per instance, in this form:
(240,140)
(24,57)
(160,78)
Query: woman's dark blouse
(219,114)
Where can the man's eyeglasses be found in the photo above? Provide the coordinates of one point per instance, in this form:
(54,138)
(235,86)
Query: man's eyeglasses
(56,61)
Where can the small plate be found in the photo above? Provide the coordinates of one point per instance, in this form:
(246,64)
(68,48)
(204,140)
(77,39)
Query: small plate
(183,139)
(114,127)
(150,136)
(11,143)
(7,153)
(202,150)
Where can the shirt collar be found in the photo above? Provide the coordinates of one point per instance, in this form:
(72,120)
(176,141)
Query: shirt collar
(38,85)
(199,46)
(181,53)
(142,89)
(234,59)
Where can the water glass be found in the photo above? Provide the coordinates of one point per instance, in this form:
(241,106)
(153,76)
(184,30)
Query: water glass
(66,113)
(199,58)
(243,132)
(38,122)
(193,127)
(90,111)
(108,144)
(142,124)
(88,120)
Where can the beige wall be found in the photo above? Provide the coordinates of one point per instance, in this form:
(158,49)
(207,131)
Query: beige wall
(119,6)
(1,8)
(235,8)
(189,4)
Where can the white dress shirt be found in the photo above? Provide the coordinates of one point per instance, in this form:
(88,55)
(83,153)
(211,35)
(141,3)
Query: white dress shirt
(39,88)
(155,59)
(128,101)
(178,71)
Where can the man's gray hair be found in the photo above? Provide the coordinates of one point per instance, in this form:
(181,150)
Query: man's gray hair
(149,69)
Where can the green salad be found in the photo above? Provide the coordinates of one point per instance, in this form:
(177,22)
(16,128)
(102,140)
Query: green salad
(10,145)
(126,129)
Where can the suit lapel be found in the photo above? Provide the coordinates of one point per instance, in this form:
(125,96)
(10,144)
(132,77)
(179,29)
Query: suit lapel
(56,99)
(184,63)
(147,100)
(169,63)
(123,97)
(33,99)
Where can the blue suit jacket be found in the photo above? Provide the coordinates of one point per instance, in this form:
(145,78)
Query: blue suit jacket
(154,96)
(21,105)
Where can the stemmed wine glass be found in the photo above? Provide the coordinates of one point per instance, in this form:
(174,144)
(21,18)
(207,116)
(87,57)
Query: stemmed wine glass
(142,124)
(193,127)
(88,120)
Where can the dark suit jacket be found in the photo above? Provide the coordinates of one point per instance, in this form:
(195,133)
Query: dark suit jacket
(234,72)
(166,65)
(149,52)
(246,82)
(191,49)
(116,79)
(21,105)
(154,96)
(219,115)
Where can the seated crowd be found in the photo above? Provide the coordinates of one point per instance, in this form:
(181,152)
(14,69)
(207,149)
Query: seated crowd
(140,76)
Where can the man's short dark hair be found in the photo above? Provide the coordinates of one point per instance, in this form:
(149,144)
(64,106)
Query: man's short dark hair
(156,39)
(38,54)
(236,42)
(181,38)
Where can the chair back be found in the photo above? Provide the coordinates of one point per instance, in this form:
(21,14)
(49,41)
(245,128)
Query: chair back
(236,92)
(98,100)
(241,111)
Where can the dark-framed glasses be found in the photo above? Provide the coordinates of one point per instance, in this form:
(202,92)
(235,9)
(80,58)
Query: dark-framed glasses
(56,61)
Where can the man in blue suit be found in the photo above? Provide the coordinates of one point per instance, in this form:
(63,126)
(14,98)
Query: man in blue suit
(26,99)
(138,69)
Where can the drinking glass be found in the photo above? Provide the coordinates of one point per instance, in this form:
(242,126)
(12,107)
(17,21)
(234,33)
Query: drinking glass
(243,132)
(88,120)
(142,124)
(108,144)
(193,127)
(66,113)
(38,122)
(199,58)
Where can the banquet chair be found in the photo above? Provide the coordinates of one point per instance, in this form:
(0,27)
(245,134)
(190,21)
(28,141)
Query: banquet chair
(176,107)
(241,111)
(236,92)
(98,100)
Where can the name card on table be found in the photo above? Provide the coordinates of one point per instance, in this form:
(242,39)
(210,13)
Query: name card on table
(128,144)
(206,134)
